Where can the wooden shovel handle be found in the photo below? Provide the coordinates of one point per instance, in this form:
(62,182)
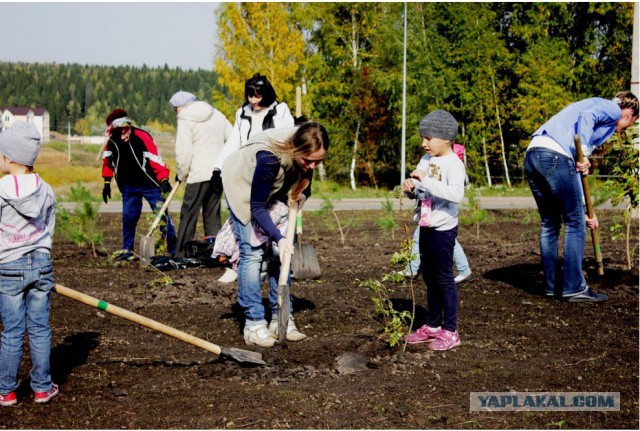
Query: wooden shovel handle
(144,321)
(299,222)
(164,207)
(291,230)
(298,101)
(590,213)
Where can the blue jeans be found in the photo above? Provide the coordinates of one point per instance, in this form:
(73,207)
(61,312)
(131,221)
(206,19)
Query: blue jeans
(557,191)
(25,287)
(459,258)
(249,282)
(436,252)
(132,208)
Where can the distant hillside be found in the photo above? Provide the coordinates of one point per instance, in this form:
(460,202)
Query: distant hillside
(71,92)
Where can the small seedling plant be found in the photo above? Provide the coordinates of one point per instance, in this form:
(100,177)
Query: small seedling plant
(475,214)
(388,222)
(79,225)
(396,323)
(625,187)
(328,206)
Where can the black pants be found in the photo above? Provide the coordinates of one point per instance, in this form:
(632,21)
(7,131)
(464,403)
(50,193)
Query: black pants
(436,254)
(203,196)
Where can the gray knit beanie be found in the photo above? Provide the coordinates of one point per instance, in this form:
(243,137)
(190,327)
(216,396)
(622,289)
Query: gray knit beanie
(439,124)
(21,143)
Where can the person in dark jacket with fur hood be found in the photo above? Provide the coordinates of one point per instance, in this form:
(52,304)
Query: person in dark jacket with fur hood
(133,157)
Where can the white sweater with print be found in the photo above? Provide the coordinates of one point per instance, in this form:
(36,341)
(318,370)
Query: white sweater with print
(444,186)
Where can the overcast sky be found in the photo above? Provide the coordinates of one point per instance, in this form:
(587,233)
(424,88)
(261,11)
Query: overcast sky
(178,34)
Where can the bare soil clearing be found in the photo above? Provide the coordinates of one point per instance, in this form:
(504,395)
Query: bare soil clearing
(116,374)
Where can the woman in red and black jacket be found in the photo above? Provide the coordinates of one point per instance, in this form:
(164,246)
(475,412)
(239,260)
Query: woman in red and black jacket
(133,157)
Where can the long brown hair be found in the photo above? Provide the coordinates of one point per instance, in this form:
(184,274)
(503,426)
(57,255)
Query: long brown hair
(309,138)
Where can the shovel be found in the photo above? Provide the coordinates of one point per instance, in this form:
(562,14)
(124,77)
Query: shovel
(304,263)
(587,199)
(147,243)
(284,291)
(231,352)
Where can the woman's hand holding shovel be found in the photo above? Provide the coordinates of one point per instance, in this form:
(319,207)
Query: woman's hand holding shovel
(284,247)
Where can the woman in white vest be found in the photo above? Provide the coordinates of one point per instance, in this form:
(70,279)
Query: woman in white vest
(263,171)
(260,111)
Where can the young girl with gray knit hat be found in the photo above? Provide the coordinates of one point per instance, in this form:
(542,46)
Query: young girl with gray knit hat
(27,220)
(438,183)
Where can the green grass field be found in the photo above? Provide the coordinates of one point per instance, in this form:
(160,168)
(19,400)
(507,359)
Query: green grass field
(85,167)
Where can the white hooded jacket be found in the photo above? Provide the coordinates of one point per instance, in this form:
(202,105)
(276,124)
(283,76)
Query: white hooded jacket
(202,132)
(27,216)
(249,123)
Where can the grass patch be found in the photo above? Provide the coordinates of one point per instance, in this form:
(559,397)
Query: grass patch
(333,190)
(54,167)
(86,166)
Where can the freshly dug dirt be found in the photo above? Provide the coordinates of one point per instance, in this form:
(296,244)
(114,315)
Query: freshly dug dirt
(114,374)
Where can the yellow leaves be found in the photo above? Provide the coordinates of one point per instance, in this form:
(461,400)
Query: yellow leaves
(257,37)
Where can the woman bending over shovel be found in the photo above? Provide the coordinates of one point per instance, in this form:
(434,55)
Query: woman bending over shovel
(264,170)
(552,171)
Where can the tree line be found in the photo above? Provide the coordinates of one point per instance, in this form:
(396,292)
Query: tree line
(502,69)
(83,95)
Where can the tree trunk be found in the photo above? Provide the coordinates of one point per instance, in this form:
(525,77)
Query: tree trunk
(486,161)
(504,153)
(484,149)
(322,172)
(627,236)
(352,173)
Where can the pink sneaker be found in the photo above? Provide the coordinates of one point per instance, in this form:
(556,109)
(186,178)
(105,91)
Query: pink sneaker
(424,334)
(45,397)
(445,340)
(8,399)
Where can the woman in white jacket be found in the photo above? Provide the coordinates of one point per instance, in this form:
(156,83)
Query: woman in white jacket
(260,111)
(200,138)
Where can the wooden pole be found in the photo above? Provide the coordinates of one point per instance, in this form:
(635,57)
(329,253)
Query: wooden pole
(587,198)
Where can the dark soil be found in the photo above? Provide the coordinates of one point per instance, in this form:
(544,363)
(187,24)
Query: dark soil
(116,374)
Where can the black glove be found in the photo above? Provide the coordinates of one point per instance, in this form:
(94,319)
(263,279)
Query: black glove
(165,186)
(177,180)
(106,192)
(216,181)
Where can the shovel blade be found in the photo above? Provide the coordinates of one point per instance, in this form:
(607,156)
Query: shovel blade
(147,250)
(241,355)
(304,263)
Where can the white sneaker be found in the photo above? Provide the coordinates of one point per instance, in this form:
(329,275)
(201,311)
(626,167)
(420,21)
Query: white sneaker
(461,278)
(292,332)
(258,335)
(229,276)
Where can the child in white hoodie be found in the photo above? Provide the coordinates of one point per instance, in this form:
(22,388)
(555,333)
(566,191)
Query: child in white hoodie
(27,221)
(438,183)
